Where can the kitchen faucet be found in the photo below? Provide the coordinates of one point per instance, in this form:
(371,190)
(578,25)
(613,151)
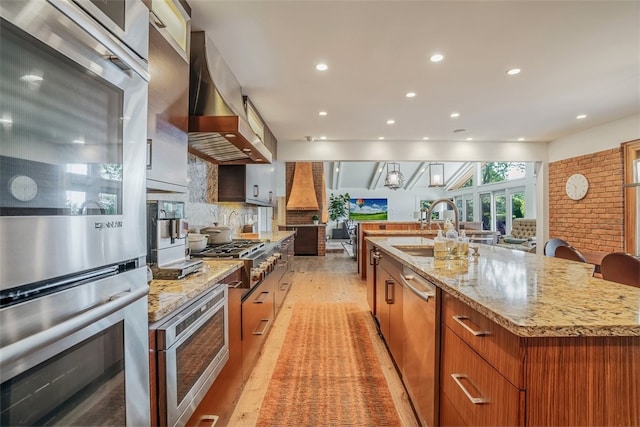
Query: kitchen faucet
(450,203)
(229,217)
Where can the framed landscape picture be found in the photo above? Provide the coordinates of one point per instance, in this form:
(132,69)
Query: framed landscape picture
(368,209)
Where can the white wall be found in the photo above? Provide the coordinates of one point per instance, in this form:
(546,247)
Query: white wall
(599,138)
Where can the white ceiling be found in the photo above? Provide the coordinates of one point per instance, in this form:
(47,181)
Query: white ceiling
(577,57)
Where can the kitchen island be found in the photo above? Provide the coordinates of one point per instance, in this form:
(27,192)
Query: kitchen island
(524,339)
(401,229)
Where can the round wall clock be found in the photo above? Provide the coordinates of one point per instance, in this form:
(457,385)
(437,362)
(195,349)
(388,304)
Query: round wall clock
(577,186)
(23,188)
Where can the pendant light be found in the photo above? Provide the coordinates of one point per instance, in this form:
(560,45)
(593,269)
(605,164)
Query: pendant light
(394,179)
(436,175)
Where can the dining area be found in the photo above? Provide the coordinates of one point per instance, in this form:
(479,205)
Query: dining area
(619,267)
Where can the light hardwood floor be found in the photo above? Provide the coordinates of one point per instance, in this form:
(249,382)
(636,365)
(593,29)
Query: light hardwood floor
(332,278)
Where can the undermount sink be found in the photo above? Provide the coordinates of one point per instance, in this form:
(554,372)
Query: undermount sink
(426,251)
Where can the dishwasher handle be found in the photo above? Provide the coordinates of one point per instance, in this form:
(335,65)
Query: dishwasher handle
(408,278)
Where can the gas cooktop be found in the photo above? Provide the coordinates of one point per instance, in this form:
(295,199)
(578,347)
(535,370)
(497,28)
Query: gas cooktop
(235,249)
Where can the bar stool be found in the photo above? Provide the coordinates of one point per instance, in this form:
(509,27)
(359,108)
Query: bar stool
(622,268)
(552,244)
(570,253)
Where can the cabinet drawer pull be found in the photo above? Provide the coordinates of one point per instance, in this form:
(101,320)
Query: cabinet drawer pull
(474,400)
(259,300)
(460,319)
(264,329)
(235,284)
(389,296)
(212,420)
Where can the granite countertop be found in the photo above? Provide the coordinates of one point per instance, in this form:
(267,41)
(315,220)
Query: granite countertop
(530,295)
(166,296)
(268,236)
(468,232)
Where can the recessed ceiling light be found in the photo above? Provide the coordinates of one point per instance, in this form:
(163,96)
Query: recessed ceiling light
(246,150)
(229,135)
(390,121)
(381,138)
(436,57)
(410,94)
(323,137)
(469,139)
(322,67)
(513,71)
(454,115)
(581,116)
(31,78)
(78,141)
(425,138)
(322,113)
(520,139)
(337,169)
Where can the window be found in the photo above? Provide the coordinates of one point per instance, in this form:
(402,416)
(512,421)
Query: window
(485,211)
(468,212)
(501,171)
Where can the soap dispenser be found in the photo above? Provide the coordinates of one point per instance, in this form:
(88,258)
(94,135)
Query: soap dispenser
(440,246)
(463,245)
(451,238)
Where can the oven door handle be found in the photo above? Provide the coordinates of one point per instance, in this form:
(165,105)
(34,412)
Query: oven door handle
(18,349)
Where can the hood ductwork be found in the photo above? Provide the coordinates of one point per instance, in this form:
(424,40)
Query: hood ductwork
(219,129)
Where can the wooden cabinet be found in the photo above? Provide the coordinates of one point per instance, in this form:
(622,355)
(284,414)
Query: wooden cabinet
(472,391)
(372,257)
(306,241)
(253,184)
(389,295)
(283,271)
(258,314)
(490,376)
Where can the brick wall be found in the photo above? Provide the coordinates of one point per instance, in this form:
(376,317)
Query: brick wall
(596,221)
(306,217)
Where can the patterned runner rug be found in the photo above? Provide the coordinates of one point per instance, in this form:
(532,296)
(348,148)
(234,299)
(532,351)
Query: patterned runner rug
(327,373)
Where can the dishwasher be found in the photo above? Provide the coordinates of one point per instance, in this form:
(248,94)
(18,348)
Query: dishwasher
(420,315)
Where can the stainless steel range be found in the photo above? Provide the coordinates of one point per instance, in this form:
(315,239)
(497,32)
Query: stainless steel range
(245,249)
(259,257)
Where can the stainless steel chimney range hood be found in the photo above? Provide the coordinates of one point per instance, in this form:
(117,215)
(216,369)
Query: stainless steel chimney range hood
(219,130)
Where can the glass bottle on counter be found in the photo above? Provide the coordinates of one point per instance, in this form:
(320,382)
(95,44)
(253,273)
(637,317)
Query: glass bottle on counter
(440,246)
(451,239)
(463,246)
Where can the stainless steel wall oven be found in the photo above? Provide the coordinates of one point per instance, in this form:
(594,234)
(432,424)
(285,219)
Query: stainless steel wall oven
(73,291)
(73,104)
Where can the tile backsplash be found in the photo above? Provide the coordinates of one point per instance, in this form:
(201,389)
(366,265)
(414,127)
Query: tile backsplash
(202,206)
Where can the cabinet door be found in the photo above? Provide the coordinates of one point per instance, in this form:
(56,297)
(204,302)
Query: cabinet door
(261,184)
(372,258)
(257,319)
(472,391)
(231,183)
(168,116)
(306,242)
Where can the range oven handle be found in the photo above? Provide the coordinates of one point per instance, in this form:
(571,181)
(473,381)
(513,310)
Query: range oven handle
(18,349)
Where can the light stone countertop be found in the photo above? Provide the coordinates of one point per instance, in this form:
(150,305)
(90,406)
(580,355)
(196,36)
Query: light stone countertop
(530,295)
(166,296)
(268,236)
(469,231)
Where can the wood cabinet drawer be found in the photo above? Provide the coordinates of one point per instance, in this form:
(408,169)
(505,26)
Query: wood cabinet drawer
(257,319)
(499,347)
(473,392)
